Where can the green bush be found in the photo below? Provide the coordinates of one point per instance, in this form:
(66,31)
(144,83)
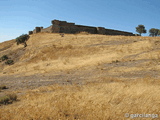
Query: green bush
(9,62)
(22,39)
(4,57)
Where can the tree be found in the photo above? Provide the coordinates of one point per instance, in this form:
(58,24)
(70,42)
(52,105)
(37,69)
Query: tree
(153,32)
(22,39)
(141,29)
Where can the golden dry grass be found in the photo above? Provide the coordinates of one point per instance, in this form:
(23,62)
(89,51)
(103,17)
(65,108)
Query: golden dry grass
(103,97)
(94,101)
(77,51)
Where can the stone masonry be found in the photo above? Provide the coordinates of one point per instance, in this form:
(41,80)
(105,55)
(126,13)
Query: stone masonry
(65,27)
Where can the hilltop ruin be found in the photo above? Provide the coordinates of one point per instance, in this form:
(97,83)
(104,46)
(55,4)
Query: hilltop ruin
(66,27)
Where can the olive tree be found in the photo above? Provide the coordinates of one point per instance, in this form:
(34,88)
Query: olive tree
(141,29)
(153,32)
(22,39)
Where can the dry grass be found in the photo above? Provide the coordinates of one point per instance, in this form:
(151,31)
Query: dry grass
(102,98)
(76,51)
(94,101)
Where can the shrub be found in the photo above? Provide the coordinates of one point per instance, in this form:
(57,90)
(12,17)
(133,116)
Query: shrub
(9,62)
(3,87)
(4,100)
(12,96)
(9,98)
(22,39)
(4,57)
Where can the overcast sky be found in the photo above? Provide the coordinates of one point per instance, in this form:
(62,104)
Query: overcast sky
(20,16)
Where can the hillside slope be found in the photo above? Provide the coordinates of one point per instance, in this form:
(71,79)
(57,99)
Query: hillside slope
(50,52)
(50,58)
(81,77)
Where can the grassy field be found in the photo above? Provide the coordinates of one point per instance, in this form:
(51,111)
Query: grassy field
(98,101)
(120,75)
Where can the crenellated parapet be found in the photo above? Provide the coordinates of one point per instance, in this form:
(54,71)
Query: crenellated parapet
(66,27)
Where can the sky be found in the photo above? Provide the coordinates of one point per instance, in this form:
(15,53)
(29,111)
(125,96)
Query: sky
(17,17)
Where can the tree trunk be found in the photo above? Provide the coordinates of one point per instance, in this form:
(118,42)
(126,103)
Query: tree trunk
(25,44)
(140,34)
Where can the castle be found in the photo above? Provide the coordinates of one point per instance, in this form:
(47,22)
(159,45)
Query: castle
(66,27)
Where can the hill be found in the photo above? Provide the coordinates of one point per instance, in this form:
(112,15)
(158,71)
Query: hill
(81,76)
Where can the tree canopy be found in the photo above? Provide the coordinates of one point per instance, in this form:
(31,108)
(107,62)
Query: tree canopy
(22,39)
(153,32)
(141,29)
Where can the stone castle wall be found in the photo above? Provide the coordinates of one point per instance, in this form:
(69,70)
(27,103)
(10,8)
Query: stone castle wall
(65,27)
(48,30)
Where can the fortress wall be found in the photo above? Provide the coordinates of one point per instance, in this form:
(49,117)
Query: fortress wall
(65,27)
(117,32)
(30,32)
(71,24)
(66,24)
(34,31)
(37,30)
(91,30)
(101,30)
(55,29)
(84,26)
(61,23)
(48,30)
(52,29)
(55,22)
(77,29)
